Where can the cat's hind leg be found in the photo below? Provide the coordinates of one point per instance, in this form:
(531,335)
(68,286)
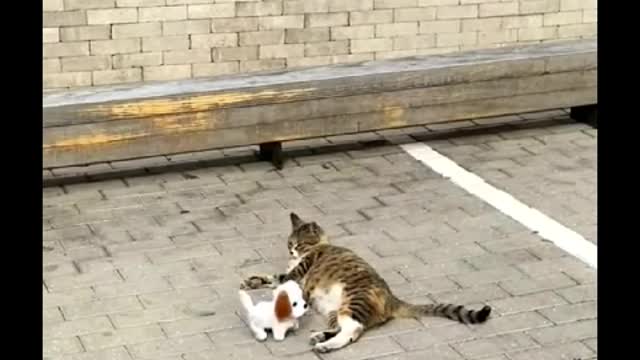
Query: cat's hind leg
(349,331)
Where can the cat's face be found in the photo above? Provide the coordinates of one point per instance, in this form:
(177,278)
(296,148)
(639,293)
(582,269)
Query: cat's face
(304,236)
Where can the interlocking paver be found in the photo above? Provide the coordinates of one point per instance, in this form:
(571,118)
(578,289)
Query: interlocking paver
(131,265)
(573,331)
(109,339)
(495,345)
(568,351)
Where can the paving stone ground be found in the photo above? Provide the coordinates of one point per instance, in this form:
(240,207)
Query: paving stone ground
(129,263)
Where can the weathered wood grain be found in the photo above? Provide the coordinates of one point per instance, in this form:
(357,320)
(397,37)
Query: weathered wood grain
(177,142)
(125,122)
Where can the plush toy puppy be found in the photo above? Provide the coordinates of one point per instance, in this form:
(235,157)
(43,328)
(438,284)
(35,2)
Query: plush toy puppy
(278,315)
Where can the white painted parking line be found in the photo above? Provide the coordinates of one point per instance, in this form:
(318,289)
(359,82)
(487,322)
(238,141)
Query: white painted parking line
(546,227)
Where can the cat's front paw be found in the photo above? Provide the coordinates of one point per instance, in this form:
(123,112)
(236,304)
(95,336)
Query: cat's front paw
(257,282)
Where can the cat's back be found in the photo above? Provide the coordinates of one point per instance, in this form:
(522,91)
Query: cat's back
(337,264)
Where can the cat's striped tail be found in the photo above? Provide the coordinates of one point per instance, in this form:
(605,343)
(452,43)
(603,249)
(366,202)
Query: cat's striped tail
(449,311)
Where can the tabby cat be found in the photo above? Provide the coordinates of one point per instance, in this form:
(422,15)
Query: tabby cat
(347,290)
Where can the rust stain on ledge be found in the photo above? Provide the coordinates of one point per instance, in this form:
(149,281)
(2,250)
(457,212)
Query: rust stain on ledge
(394,116)
(194,104)
(164,125)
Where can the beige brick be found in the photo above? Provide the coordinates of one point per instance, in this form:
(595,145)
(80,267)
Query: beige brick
(305,6)
(299,36)
(64,18)
(394,54)
(80,33)
(262,8)
(63,80)
(464,38)
(326,48)
(187,57)
(539,6)
(590,16)
(567,5)
(440,26)
(414,42)
(51,66)
(308,61)
(134,60)
(50,35)
(352,32)
(186,27)
(527,21)
(490,24)
(497,37)
(281,51)
(136,30)
(213,40)
(326,20)
(423,3)
(262,65)
(191,2)
(65,49)
(140,3)
(414,14)
(86,63)
(166,72)
(281,22)
(232,54)
(351,58)
(577,30)
(466,2)
(88,4)
(399,29)
(562,18)
(52,5)
(499,9)
(108,47)
(371,17)
(262,38)
(223,68)
(527,34)
(119,76)
(211,11)
(394,4)
(163,13)
(457,12)
(238,24)
(371,45)
(165,43)
(112,16)
(353,5)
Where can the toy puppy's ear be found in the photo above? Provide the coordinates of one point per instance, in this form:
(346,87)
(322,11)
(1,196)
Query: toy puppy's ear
(283,306)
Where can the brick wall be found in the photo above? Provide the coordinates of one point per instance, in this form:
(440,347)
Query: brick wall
(99,42)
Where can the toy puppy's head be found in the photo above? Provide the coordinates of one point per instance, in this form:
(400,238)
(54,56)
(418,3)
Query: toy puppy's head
(289,302)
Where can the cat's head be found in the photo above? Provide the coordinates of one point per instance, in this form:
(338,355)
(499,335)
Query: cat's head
(304,236)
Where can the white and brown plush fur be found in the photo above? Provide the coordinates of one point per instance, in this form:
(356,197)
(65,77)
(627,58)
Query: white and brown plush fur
(278,315)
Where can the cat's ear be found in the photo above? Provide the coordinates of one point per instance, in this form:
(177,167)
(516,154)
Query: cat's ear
(283,306)
(296,222)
